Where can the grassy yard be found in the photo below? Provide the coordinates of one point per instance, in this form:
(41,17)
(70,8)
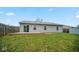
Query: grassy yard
(42,42)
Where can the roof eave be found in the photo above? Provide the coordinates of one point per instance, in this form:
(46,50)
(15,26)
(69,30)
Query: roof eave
(41,24)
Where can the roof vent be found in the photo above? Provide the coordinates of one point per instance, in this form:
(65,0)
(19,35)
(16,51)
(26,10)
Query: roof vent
(39,20)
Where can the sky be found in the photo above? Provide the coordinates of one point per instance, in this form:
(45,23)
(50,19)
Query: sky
(61,15)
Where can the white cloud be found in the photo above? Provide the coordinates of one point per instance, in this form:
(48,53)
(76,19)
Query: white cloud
(77,16)
(10,14)
(50,9)
(6,21)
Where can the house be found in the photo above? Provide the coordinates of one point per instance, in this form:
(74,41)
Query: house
(37,26)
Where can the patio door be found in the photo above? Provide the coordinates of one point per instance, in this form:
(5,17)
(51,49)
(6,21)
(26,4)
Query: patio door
(26,28)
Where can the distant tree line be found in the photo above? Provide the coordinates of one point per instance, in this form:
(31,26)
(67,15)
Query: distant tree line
(5,29)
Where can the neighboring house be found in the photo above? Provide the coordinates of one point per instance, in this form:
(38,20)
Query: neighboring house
(37,26)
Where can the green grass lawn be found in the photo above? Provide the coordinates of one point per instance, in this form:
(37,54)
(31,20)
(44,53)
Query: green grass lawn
(42,42)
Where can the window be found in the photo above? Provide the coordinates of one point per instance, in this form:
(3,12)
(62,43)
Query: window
(44,27)
(57,28)
(34,28)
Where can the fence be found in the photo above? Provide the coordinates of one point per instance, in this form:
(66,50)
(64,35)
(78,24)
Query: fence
(5,29)
(74,30)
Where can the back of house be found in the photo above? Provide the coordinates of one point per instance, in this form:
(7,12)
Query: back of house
(35,26)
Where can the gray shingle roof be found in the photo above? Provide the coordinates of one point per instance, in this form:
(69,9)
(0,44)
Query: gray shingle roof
(39,23)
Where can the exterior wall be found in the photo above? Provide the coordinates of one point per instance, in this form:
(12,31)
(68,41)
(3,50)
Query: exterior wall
(40,28)
(74,30)
(22,27)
